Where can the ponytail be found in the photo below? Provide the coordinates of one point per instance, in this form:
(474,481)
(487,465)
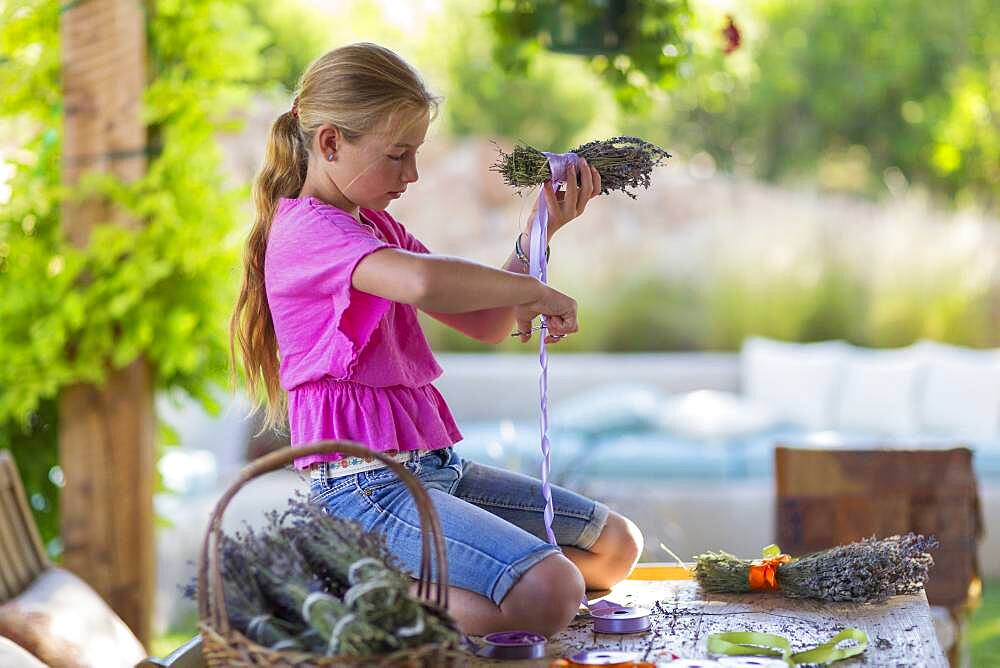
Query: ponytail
(251,327)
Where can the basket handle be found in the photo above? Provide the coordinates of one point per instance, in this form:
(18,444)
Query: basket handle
(211,601)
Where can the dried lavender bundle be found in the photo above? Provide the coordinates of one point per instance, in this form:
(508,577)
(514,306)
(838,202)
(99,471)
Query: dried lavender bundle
(358,566)
(280,572)
(245,602)
(312,582)
(330,546)
(622,162)
(867,571)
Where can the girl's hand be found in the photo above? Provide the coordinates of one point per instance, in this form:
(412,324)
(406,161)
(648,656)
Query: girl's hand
(568,204)
(559,310)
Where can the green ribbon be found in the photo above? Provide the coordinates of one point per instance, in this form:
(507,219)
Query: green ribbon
(770,551)
(750,643)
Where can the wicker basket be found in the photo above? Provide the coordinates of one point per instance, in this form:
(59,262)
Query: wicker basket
(224,646)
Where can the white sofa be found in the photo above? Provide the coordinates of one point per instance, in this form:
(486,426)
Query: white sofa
(683,442)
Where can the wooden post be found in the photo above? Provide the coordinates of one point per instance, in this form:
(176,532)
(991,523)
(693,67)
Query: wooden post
(106,433)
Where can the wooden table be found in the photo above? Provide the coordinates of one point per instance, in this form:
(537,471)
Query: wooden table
(900,631)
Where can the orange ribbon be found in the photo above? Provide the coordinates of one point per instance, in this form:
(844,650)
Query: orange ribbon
(764,572)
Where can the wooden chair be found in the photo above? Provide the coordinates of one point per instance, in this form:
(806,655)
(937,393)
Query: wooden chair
(827,497)
(22,558)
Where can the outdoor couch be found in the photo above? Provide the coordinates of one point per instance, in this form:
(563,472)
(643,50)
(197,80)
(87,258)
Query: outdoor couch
(48,616)
(684,443)
(828,394)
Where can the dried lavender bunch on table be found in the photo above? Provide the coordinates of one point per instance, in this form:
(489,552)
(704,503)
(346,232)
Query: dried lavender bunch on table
(622,162)
(868,571)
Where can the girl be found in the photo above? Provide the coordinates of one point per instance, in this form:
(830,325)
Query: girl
(326,323)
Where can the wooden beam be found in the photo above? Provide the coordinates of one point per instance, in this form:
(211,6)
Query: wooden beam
(107,433)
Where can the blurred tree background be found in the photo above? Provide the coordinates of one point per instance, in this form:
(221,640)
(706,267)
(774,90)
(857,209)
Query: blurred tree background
(855,96)
(869,99)
(893,103)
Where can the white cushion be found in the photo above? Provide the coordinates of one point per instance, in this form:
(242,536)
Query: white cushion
(62,621)
(960,394)
(13,655)
(708,414)
(879,392)
(796,382)
(612,407)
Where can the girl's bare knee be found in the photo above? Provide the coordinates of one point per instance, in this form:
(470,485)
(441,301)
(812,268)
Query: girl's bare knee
(630,540)
(547,596)
(620,545)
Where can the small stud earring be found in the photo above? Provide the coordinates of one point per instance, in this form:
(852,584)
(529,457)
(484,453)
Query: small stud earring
(329,156)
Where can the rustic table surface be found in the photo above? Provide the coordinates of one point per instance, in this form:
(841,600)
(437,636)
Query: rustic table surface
(900,631)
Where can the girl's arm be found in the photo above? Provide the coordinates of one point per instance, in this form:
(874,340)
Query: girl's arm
(491,325)
(476,299)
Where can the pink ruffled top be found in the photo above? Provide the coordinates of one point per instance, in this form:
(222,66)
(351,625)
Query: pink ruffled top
(356,366)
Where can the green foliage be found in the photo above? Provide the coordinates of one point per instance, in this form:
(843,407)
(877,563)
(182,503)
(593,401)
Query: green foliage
(294,40)
(33,447)
(162,290)
(482,100)
(635,45)
(858,95)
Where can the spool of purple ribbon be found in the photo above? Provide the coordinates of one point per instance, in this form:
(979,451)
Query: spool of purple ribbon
(512,646)
(620,620)
(604,657)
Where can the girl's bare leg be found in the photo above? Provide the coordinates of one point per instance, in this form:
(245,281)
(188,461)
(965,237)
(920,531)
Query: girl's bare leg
(612,557)
(544,601)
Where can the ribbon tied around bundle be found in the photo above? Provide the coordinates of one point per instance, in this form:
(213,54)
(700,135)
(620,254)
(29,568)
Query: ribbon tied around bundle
(764,572)
(608,617)
(538,267)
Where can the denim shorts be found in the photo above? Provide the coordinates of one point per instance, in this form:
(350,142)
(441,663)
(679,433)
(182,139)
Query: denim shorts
(492,519)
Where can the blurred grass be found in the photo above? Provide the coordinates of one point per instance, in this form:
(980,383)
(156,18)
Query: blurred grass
(179,633)
(162,645)
(984,628)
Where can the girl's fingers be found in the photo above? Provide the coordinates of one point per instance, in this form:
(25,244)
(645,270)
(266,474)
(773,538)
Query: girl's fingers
(597,181)
(572,189)
(586,185)
(524,326)
(562,324)
(550,199)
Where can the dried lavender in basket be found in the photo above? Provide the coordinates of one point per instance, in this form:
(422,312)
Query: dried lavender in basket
(245,602)
(622,162)
(867,571)
(311,582)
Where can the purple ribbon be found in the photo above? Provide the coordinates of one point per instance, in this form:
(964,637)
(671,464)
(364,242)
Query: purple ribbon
(620,620)
(513,645)
(558,165)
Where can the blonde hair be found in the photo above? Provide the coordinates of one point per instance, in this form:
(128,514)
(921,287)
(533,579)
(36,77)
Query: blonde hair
(355,88)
